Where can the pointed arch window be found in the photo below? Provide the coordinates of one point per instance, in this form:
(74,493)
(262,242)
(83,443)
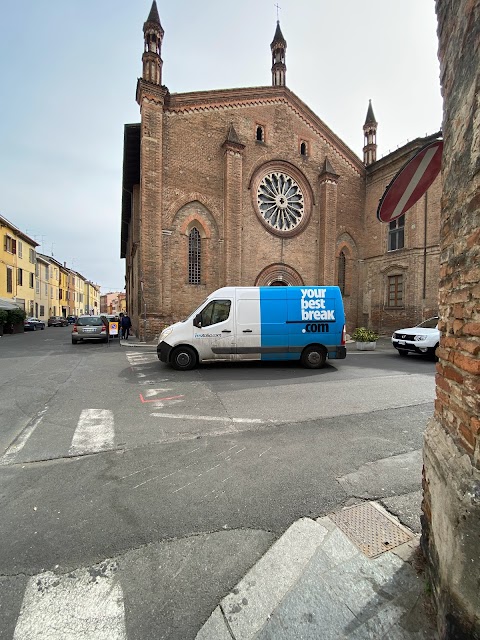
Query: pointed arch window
(342,270)
(194,256)
(260,134)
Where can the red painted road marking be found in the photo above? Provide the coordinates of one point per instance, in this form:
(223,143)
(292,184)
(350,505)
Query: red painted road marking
(160,399)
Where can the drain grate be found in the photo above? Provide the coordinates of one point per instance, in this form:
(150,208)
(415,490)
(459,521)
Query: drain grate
(371,530)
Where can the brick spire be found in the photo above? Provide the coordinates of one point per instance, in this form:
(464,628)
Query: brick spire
(278,48)
(153,36)
(370,137)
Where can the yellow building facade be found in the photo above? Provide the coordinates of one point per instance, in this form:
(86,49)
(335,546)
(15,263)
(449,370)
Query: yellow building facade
(17,263)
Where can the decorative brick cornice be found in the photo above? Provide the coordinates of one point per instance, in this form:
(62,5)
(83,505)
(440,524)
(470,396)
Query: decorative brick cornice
(151,92)
(199,101)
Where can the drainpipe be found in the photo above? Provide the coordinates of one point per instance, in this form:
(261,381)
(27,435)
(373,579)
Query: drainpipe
(425,245)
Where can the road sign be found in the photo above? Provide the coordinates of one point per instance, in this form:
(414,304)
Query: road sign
(113,328)
(411,182)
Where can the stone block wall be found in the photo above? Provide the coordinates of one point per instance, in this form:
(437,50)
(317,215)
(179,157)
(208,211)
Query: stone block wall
(451,507)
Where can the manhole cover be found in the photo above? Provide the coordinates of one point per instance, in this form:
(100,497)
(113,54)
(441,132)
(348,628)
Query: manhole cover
(370,529)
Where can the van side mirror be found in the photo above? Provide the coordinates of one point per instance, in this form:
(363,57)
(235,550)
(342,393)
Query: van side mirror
(197,321)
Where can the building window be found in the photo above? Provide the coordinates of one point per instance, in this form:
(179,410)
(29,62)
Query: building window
(37,286)
(10,244)
(42,310)
(31,279)
(46,289)
(395,291)
(9,280)
(20,249)
(31,256)
(194,256)
(260,134)
(20,277)
(342,267)
(396,236)
(303,148)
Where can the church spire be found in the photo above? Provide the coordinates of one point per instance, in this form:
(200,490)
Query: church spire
(153,36)
(370,137)
(279,68)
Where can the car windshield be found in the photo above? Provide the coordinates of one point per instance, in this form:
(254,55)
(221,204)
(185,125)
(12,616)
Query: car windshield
(431,323)
(89,321)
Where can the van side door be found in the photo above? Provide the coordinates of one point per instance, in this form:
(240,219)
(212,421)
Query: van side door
(214,331)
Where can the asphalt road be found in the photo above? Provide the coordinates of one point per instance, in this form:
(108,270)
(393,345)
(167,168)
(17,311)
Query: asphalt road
(163,488)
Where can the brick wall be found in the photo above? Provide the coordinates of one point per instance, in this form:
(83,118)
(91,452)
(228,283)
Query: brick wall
(451,518)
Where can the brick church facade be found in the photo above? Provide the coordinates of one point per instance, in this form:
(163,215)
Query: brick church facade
(250,187)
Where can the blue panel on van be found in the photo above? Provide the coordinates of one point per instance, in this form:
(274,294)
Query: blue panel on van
(273,311)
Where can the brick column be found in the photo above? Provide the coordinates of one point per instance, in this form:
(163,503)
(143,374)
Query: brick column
(232,210)
(328,182)
(451,506)
(151,99)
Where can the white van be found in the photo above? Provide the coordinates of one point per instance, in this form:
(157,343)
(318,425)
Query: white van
(259,323)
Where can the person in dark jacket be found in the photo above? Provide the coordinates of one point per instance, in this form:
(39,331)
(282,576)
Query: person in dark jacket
(125,324)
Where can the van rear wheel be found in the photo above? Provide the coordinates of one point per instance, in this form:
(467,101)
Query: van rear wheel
(314,357)
(183,358)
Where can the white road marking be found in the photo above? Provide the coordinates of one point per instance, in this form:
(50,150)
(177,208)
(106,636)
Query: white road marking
(264,452)
(85,604)
(94,432)
(210,418)
(153,392)
(21,441)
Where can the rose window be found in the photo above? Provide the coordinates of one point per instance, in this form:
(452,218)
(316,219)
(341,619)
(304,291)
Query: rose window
(280,201)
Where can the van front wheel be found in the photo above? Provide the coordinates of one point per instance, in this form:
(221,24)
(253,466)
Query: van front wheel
(183,358)
(314,357)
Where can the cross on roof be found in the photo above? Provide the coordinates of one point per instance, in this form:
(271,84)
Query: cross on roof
(278,7)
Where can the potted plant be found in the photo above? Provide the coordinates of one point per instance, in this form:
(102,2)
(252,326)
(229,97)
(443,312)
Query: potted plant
(366,339)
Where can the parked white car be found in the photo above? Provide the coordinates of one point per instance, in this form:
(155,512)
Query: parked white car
(423,338)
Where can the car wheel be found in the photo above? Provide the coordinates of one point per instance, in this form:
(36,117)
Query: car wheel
(183,358)
(402,353)
(314,357)
(432,352)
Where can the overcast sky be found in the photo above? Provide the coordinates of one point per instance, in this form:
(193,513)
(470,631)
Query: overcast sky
(69,70)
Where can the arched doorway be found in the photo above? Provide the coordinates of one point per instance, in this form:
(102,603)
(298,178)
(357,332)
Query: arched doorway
(278,275)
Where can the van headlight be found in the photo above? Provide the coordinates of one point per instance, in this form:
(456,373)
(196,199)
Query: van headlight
(165,333)
(420,338)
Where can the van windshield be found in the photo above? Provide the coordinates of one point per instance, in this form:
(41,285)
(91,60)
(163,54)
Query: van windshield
(194,313)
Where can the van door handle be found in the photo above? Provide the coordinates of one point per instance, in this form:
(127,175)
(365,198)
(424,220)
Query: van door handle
(226,331)
(247,331)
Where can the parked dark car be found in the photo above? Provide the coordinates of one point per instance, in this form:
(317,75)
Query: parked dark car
(71,319)
(57,321)
(32,324)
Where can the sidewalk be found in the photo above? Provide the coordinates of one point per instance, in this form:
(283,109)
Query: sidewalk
(136,343)
(315,583)
(383,344)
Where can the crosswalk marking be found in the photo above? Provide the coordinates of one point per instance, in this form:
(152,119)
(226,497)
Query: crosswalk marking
(94,432)
(85,604)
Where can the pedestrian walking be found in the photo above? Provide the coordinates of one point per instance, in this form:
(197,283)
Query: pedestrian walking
(125,324)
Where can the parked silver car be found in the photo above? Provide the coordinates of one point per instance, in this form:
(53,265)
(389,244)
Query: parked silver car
(89,328)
